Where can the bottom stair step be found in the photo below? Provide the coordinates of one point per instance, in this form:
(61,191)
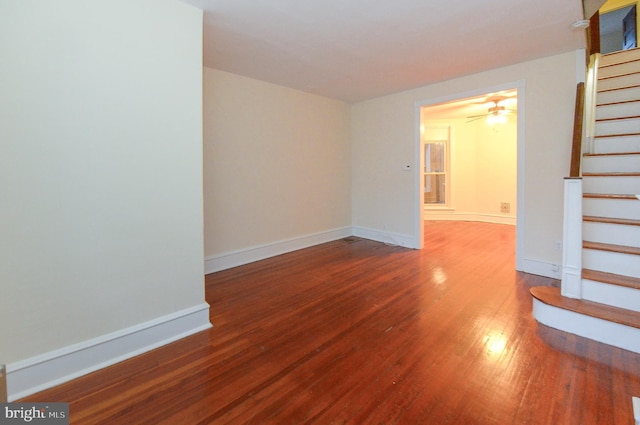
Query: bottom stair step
(550,295)
(610,325)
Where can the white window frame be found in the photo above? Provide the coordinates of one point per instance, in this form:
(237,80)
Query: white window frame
(442,135)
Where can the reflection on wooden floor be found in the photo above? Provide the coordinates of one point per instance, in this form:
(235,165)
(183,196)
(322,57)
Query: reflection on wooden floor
(357,332)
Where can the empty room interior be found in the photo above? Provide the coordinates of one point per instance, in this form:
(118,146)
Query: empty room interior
(280,212)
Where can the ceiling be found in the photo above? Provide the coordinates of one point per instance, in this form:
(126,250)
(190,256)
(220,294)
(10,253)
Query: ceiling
(360,49)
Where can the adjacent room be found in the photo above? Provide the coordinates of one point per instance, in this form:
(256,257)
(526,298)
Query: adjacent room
(470,158)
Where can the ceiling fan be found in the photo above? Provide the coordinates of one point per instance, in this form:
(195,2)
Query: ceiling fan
(496,113)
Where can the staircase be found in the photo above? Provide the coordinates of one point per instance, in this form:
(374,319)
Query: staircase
(608,308)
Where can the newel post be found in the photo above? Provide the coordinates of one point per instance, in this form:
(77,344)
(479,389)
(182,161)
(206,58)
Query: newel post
(572,239)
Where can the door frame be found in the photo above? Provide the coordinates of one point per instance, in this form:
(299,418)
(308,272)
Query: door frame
(519,86)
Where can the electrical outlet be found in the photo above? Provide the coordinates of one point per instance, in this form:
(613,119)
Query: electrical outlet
(505,207)
(559,245)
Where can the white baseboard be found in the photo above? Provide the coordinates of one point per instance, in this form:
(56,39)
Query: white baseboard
(621,336)
(245,256)
(249,255)
(542,268)
(386,237)
(458,216)
(38,373)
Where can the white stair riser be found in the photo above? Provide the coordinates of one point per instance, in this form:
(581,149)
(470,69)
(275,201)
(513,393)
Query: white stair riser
(621,95)
(618,208)
(618,82)
(619,57)
(609,164)
(616,144)
(617,234)
(626,126)
(618,110)
(619,69)
(611,262)
(611,185)
(617,296)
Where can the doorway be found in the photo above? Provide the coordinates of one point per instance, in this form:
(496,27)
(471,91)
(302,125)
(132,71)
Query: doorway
(471,158)
(618,29)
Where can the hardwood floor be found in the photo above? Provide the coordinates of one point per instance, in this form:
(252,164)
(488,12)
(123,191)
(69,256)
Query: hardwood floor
(358,332)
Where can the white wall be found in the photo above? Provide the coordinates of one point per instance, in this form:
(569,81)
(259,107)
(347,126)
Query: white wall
(483,170)
(384,134)
(497,168)
(277,169)
(100,172)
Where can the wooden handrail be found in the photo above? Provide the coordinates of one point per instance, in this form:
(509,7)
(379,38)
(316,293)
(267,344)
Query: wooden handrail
(576,147)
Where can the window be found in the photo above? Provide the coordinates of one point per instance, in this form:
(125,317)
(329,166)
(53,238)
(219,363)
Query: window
(435,176)
(436,167)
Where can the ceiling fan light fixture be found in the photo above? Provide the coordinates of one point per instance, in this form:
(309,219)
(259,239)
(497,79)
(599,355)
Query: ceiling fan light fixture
(496,118)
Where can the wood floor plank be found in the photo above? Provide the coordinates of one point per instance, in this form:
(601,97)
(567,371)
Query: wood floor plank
(359,332)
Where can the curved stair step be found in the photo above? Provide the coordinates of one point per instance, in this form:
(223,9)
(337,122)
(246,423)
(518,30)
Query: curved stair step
(610,325)
(551,296)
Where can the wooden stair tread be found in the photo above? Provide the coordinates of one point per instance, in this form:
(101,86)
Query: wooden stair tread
(551,296)
(618,75)
(613,174)
(629,117)
(622,249)
(618,88)
(620,102)
(624,62)
(603,136)
(610,196)
(619,53)
(611,154)
(610,220)
(611,278)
